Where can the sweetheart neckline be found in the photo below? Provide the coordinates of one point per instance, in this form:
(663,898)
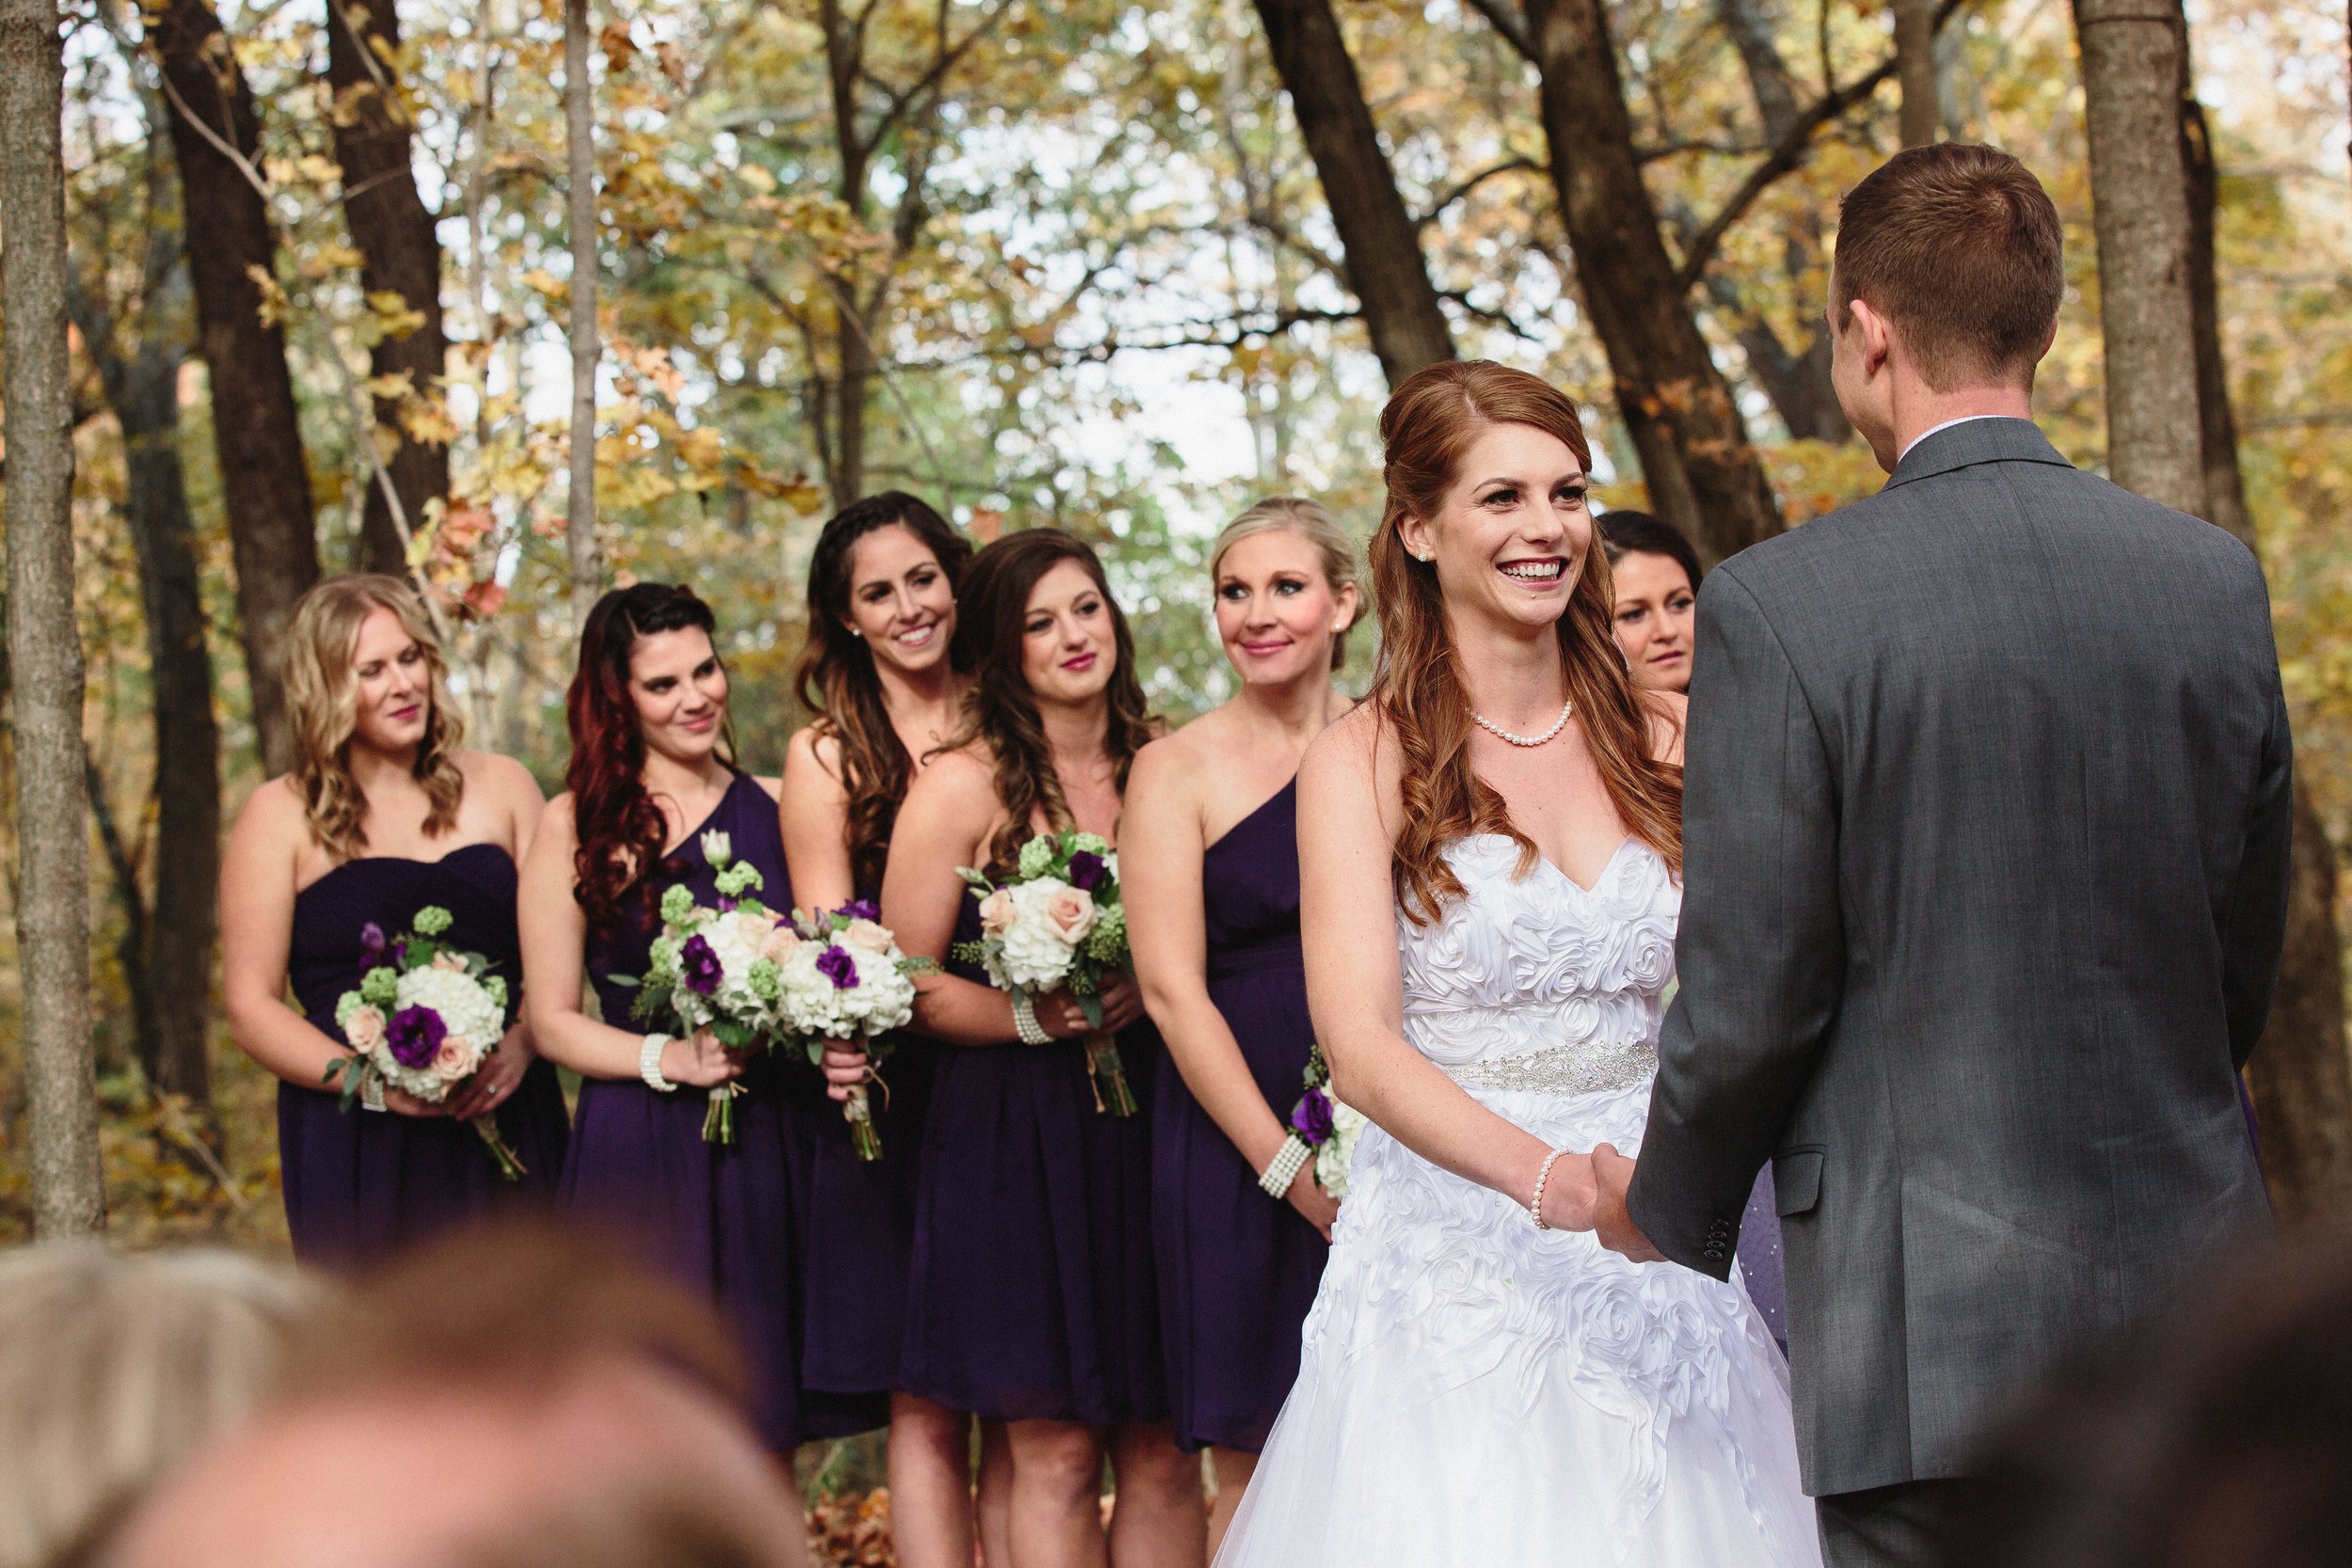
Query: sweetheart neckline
(1600,878)
(403,860)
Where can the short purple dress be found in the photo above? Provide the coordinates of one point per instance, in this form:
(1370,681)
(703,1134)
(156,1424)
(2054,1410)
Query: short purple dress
(1032,1292)
(857,1219)
(361,1184)
(718,1219)
(1238,1270)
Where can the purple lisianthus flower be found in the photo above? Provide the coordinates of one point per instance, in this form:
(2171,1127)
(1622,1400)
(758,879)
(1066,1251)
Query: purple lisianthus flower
(861,909)
(371,946)
(1311,1119)
(415,1035)
(835,964)
(699,966)
(1086,870)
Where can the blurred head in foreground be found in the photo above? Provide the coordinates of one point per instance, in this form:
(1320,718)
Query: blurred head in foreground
(512,1395)
(113,1370)
(2222,1439)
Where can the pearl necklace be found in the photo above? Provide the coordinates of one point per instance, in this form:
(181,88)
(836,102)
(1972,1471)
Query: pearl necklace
(1557,725)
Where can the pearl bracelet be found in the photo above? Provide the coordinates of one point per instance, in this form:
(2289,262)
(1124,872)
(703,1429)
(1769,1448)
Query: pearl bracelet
(1283,1168)
(1024,1021)
(649,1063)
(1535,1203)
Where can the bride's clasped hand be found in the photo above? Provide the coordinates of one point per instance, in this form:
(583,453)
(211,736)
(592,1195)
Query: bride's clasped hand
(1586,1191)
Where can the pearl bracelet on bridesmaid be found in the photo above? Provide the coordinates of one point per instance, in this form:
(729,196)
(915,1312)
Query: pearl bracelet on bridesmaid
(1024,1021)
(649,1063)
(1283,1169)
(1535,1203)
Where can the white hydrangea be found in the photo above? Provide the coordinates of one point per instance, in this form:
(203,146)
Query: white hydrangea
(883,999)
(1337,1152)
(466,1010)
(1036,956)
(735,941)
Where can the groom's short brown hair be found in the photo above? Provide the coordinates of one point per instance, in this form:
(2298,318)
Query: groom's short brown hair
(1961,249)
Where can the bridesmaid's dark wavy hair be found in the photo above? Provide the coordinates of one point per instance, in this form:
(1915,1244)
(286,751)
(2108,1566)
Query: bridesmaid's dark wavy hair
(1000,709)
(837,680)
(619,827)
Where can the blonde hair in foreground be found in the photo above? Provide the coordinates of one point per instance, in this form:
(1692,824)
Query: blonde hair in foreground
(115,1369)
(1308,521)
(321,704)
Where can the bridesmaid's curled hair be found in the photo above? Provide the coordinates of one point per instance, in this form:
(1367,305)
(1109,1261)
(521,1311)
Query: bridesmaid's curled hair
(1427,428)
(1000,709)
(835,678)
(323,706)
(619,826)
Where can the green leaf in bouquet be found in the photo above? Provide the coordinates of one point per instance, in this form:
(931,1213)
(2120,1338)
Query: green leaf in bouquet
(973,879)
(1092,1006)
(734,1036)
(629,980)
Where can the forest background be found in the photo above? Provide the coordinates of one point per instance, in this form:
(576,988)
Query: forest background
(1041,262)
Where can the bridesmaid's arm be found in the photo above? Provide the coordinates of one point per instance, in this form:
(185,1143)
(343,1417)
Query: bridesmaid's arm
(1347,794)
(554,937)
(814,813)
(510,784)
(943,825)
(1160,877)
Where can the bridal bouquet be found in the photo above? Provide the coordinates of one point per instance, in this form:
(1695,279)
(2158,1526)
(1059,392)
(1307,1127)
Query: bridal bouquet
(1327,1125)
(424,1020)
(718,969)
(1056,923)
(843,977)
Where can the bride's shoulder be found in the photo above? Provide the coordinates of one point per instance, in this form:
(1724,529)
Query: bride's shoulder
(1353,764)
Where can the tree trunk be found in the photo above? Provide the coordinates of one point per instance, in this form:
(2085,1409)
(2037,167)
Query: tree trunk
(579,164)
(1922,116)
(2132,64)
(1385,265)
(265,479)
(1704,477)
(2302,1074)
(399,254)
(176,950)
(44,641)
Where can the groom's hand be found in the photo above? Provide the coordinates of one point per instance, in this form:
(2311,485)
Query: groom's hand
(1613,1173)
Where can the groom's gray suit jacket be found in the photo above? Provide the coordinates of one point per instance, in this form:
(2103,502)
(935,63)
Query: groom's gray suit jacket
(1985,869)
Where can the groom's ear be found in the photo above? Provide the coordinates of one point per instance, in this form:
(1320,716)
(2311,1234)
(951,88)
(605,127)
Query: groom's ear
(1875,335)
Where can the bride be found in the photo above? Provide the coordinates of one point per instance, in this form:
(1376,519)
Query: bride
(1490,848)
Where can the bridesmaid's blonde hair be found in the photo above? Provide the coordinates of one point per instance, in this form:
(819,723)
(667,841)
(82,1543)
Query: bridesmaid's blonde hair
(1308,521)
(323,701)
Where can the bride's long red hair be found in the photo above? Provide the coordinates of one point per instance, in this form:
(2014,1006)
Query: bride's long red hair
(1427,429)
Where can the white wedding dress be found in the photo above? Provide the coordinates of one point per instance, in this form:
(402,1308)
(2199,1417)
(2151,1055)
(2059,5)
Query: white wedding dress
(1474,1392)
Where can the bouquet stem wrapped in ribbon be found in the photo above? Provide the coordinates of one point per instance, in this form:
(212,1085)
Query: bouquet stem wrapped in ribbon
(1056,923)
(718,969)
(424,1020)
(845,978)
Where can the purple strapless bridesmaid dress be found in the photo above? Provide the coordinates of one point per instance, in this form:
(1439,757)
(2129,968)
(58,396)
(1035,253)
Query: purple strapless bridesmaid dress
(1238,1270)
(718,1219)
(361,1184)
(1031,1292)
(857,1220)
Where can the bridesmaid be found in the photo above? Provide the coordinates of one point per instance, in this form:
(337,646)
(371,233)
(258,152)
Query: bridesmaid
(878,674)
(650,776)
(1032,1298)
(381,815)
(1211,878)
(1656,574)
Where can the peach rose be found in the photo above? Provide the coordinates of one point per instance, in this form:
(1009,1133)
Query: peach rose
(866,935)
(996,913)
(779,943)
(364,1029)
(454,962)
(1071,912)
(454,1060)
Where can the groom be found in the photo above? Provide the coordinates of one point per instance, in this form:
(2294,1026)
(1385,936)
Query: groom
(1986,868)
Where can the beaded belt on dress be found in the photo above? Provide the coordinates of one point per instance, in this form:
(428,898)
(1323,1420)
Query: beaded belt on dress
(1593,1067)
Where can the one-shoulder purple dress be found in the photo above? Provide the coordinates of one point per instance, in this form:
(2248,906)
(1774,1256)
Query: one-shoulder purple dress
(720,1219)
(361,1184)
(857,1219)
(1032,1291)
(1238,1270)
